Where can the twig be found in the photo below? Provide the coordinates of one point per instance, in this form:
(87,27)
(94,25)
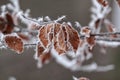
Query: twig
(108,39)
(31,44)
(38,22)
(102,34)
(106,34)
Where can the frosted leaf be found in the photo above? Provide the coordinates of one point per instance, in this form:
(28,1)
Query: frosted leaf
(41,53)
(63,41)
(43,36)
(59,35)
(59,39)
(58,49)
(73,37)
(14,43)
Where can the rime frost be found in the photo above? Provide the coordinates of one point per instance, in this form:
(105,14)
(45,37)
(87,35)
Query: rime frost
(56,39)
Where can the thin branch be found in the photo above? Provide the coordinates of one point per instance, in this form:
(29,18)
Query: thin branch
(38,22)
(25,30)
(108,39)
(106,34)
(102,34)
(31,44)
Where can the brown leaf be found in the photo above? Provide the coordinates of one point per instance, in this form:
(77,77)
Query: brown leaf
(103,2)
(58,38)
(14,43)
(43,36)
(62,36)
(58,48)
(41,54)
(73,37)
(57,28)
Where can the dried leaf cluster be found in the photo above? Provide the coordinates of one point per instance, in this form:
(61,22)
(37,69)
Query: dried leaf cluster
(61,41)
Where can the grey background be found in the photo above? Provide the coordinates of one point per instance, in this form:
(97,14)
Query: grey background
(23,66)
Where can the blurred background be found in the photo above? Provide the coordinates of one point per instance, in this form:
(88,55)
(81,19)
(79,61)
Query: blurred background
(23,66)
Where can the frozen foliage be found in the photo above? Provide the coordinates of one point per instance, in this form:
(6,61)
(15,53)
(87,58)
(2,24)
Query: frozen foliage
(52,39)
